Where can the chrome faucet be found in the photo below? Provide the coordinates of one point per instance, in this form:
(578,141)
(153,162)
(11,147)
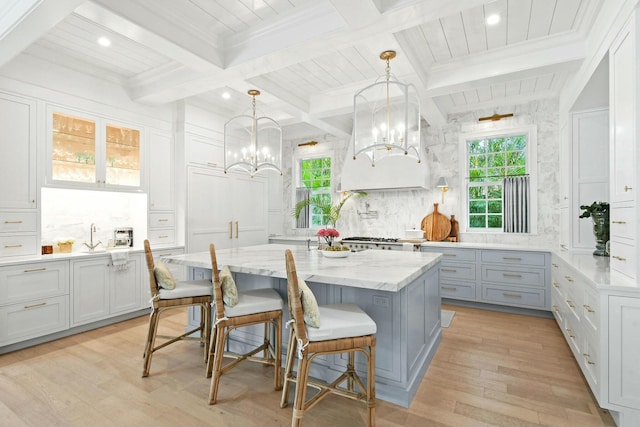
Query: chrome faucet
(90,245)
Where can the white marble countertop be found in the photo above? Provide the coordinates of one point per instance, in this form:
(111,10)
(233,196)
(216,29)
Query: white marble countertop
(371,269)
(493,246)
(596,269)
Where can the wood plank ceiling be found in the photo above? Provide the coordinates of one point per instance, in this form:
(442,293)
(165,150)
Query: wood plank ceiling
(308,57)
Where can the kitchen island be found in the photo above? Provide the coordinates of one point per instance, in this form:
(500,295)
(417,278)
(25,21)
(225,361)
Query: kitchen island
(399,290)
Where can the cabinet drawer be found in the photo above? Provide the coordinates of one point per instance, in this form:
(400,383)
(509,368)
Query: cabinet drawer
(461,271)
(162,220)
(18,245)
(18,222)
(513,276)
(589,360)
(591,310)
(457,290)
(623,258)
(19,322)
(514,257)
(520,297)
(162,237)
(623,224)
(31,281)
(451,254)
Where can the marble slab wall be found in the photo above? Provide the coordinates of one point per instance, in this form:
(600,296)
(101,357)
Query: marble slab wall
(399,210)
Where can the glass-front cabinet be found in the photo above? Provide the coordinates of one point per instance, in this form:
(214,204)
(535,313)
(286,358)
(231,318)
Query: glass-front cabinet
(92,151)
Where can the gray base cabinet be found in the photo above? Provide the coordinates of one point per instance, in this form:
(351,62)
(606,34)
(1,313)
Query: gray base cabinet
(503,277)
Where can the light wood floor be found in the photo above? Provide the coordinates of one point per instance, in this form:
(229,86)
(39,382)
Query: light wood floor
(492,369)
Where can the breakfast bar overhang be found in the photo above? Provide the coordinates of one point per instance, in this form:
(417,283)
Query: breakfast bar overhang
(399,290)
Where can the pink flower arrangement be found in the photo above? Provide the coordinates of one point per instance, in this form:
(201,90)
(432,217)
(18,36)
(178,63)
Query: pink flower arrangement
(328,234)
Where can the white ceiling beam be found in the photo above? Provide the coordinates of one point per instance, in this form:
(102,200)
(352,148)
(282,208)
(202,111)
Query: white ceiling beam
(517,61)
(504,102)
(162,43)
(255,57)
(22,22)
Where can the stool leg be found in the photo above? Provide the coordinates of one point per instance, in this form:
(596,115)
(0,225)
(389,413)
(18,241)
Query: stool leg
(212,350)
(288,369)
(278,352)
(371,386)
(151,339)
(206,332)
(301,392)
(217,364)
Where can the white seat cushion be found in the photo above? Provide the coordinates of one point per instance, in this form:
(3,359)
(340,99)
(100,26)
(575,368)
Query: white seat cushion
(186,289)
(255,301)
(342,321)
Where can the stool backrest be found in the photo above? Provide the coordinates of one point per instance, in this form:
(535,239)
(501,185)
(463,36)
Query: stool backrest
(153,285)
(295,303)
(217,287)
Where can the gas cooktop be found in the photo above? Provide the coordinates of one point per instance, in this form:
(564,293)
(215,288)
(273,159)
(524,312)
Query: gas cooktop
(371,239)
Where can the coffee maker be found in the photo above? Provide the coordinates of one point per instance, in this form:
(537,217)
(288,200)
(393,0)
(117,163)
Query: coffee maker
(123,237)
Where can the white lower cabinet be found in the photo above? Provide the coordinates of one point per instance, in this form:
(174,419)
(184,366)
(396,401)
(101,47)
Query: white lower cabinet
(601,324)
(101,290)
(34,300)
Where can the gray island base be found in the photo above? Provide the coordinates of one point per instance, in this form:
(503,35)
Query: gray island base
(399,290)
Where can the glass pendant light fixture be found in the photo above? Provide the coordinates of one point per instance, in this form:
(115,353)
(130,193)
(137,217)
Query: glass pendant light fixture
(252,143)
(386,118)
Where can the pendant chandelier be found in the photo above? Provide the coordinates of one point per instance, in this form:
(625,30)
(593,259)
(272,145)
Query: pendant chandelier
(252,143)
(386,118)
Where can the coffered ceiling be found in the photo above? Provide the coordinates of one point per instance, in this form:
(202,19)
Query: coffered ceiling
(308,57)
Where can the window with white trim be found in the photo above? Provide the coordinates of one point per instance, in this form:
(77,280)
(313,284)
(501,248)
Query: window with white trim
(489,158)
(315,177)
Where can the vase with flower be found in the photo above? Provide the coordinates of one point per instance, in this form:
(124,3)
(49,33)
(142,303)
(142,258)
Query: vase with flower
(326,237)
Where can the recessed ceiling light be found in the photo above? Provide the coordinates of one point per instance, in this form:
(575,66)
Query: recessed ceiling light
(493,19)
(226,95)
(103,41)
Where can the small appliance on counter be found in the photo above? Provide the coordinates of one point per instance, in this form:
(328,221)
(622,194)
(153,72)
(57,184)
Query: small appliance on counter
(123,237)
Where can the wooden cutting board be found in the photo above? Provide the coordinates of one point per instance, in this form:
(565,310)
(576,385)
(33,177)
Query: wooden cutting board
(436,226)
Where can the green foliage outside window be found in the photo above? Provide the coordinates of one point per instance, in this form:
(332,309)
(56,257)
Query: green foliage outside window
(315,174)
(489,161)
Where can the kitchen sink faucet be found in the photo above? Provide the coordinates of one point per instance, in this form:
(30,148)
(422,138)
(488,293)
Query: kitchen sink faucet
(90,245)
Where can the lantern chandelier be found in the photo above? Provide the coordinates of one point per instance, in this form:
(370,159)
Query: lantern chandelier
(386,118)
(252,143)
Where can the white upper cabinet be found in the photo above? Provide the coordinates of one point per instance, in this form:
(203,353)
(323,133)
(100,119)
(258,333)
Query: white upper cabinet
(161,172)
(624,94)
(91,151)
(17,152)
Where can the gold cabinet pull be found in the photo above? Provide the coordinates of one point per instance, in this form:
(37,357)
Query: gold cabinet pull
(163,220)
(568,278)
(12,246)
(509,258)
(555,285)
(449,255)
(27,307)
(511,295)
(570,303)
(449,270)
(449,288)
(588,359)
(627,188)
(554,264)
(231,229)
(570,333)
(163,237)
(619,258)
(588,308)
(35,269)
(237,232)
(555,308)
(512,275)
(618,222)
(13,222)
(212,164)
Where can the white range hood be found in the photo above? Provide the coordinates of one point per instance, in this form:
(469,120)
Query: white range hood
(392,172)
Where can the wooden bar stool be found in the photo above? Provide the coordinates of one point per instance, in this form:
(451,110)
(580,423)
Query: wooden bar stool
(196,293)
(253,307)
(343,328)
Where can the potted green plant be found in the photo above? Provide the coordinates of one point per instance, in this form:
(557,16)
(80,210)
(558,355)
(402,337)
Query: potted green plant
(330,211)
(599,213)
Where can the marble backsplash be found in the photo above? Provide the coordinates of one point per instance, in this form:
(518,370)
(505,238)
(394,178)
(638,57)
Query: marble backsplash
(399,210)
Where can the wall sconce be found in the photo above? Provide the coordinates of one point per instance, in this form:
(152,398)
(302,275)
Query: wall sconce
(443,186)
